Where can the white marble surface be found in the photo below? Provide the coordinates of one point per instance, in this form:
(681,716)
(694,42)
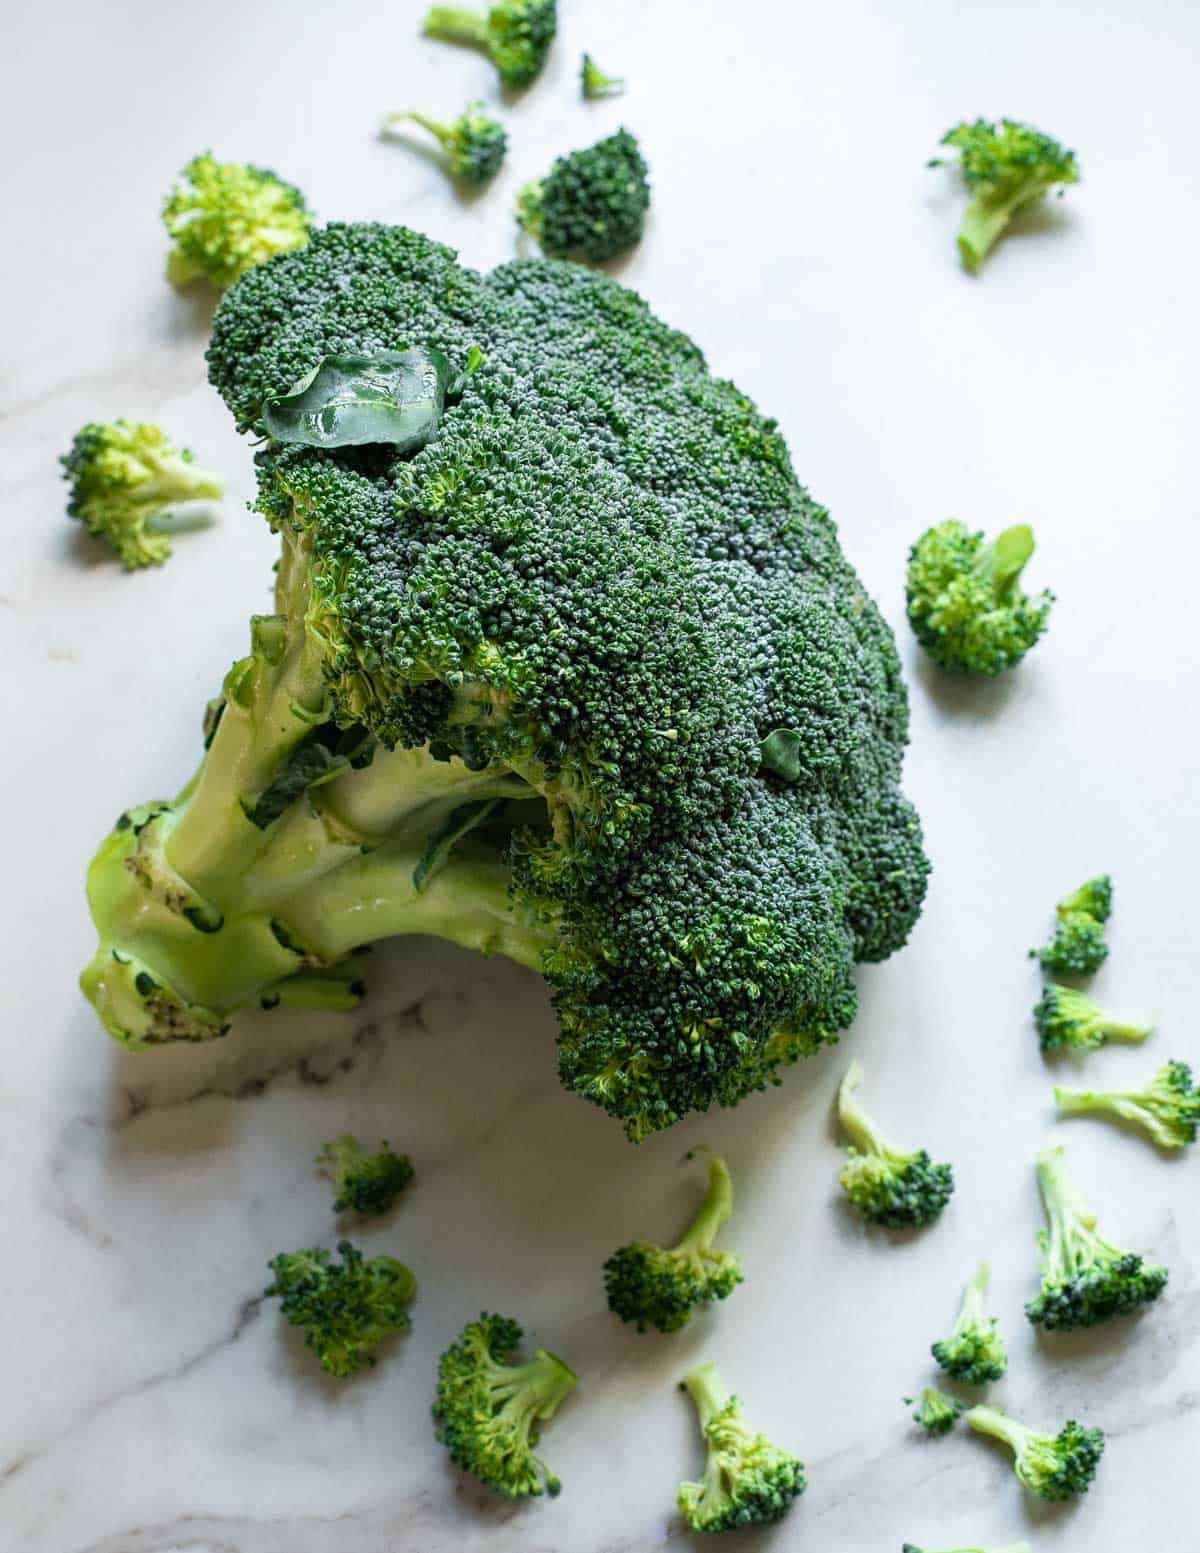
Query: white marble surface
(149,1401)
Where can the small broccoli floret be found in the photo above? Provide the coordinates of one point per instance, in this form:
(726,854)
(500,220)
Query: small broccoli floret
(347,1309)
(1068,1020)
(592,203)
(226,217)
(936,1412)
(515,34)
(1052,1466)
(489,1412)
(474,142)
(124,476)
(889,1187)
(973,1352)
(965,602)
(596,84)
(658,1287)
(1167,1108)
(366,1183)
(747,1481)
(1007,167)
(1085,1279)
(1078,945)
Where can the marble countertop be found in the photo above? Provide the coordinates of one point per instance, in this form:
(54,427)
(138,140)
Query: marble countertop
(150,1402)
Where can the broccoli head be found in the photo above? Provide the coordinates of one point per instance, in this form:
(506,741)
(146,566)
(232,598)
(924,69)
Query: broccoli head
(1068,1020)
(1167,1108)
(592,204)
(474,143)
(1078,946)
(126,475)
(936,1412)
(515,34)
(974,1351)
(747,1481)
(1052,1466)
(516,686)
(888,1186)
(656,1287)
(365,1183)
(965,602)
(489,1412)
(1007,167)
(346,1308)
(1085,1279)
(595,83)
(226,217)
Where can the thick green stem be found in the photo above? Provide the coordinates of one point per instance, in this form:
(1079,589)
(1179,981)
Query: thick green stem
(859,1127)
(982,224)
(708,1391)
(990,1421)
(971,1314)
(715,1209)
(455,24)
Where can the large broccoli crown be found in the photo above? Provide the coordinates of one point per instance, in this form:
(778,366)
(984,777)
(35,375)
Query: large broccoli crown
(226,217)
(602,574)
(591,203)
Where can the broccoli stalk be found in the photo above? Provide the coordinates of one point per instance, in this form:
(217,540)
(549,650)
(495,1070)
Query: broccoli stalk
(655,1287)
(936,1412)
(489,1413)
(1068,1019)
(1052,1466)
(364,1183)
(474,143)
(226,217)
(1078,945)
(889,1187)
(347,1309)
(596,84)
(124,477)
(592,203)
(1167,1108)
(747,1480)
(974,1352)
(1085,1278)
(515,34)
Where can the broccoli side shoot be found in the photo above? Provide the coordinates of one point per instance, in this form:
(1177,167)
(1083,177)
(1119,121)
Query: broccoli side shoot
(1078,946)
(965,602)
(474,143)
(1167,1108)
(515,34)
(974,1352)
(747,1481)
(596,84)
(1052,1466)
(1007,167)
(591,204)
(936,1412)
(346,1308)
(889,1187)
(489,1412)
(124,476)
(655,1286)
(365,1183)
(226,217)
(1085,1279)
(1068,1020)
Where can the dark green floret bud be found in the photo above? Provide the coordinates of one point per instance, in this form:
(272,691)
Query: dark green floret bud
(592,204)
(1078,946)
(348,1308)
(596,84)
(654,1286)
(936,1412)
(974,1351)
(515,34)
(888,1186)
(1052,1466)
(747,1481)
(226,217)
(1068,1020)
(364,1183)
(1166,1109)
(474,144)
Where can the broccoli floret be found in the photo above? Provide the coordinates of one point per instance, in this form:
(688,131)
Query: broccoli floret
(515,34)
(974,1352)
(887,1186)
(226,217)
(346,1308)
(747,1481)
(936,1412)
(656,1287)
(365,1183)
(124,476)
(474,143)
(489,1411)
(596,84)
(1052,1466)
(591,204)
(1078,945)
(1068,1020)
(1167,1108)
(965,602)
(515,689)
(1085,1279)
(1007,167)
